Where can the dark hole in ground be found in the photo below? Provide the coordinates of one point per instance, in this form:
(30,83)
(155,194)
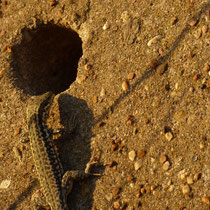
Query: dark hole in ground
(46,59)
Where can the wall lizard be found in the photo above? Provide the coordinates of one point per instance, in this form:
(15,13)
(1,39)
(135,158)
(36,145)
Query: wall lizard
(54,183)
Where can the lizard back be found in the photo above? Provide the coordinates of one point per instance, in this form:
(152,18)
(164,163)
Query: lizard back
(47,163)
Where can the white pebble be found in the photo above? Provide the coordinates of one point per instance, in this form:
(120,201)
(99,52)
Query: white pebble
(132,155)
(189,180)
(154,40)
(186,189)
(106,26)
(138,165)
(5,184)
(169,136)
(152,160)
(171,188)
(201,145)
(166,166)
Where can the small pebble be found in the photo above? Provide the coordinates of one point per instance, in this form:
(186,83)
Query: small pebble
(153,187)
(148,189)
(192,54)
(22,148)
(88,67)
(171,188)
(135,131)
(95,99)
(206,199)
(152,160)
(137,165)
(169,136)
(160,51)
(131,185)
(153,63)
(80,79)
(9,49)
(138,194)
(141,154)
(101,124)
(18,131)
(103,92)
(130,178)
(116,205)
(169,182)
(204,29)
(125,85)
(132,155)
(206,67)
(162,68)
(5,184)
(189,180)
(154,40)
(166,166)
(197,176)
(106,26)
(163,158)
(183,176)
(186,189)
(191,89)
(116,191)
(131,75)
(194,158)
(196,77)
(114,147)
(143,191)
(129,122)
(91,72)
(173,21)
(109,196)
(53,3)
(193,22)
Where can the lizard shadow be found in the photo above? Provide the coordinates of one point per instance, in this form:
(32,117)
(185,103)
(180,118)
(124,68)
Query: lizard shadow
(74,148)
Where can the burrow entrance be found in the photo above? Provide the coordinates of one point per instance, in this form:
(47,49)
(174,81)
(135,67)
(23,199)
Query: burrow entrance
(46,59)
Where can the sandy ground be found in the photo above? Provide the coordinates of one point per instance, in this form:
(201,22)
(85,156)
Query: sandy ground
(135,76)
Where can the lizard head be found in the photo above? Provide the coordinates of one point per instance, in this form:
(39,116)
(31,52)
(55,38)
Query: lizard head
(40,106)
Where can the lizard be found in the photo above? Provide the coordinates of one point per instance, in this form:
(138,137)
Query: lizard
(54,183)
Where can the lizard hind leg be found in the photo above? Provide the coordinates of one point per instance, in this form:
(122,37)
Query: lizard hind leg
(69,177)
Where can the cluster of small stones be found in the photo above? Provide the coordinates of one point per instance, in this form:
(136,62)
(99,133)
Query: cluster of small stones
(136,158)
(118,145)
